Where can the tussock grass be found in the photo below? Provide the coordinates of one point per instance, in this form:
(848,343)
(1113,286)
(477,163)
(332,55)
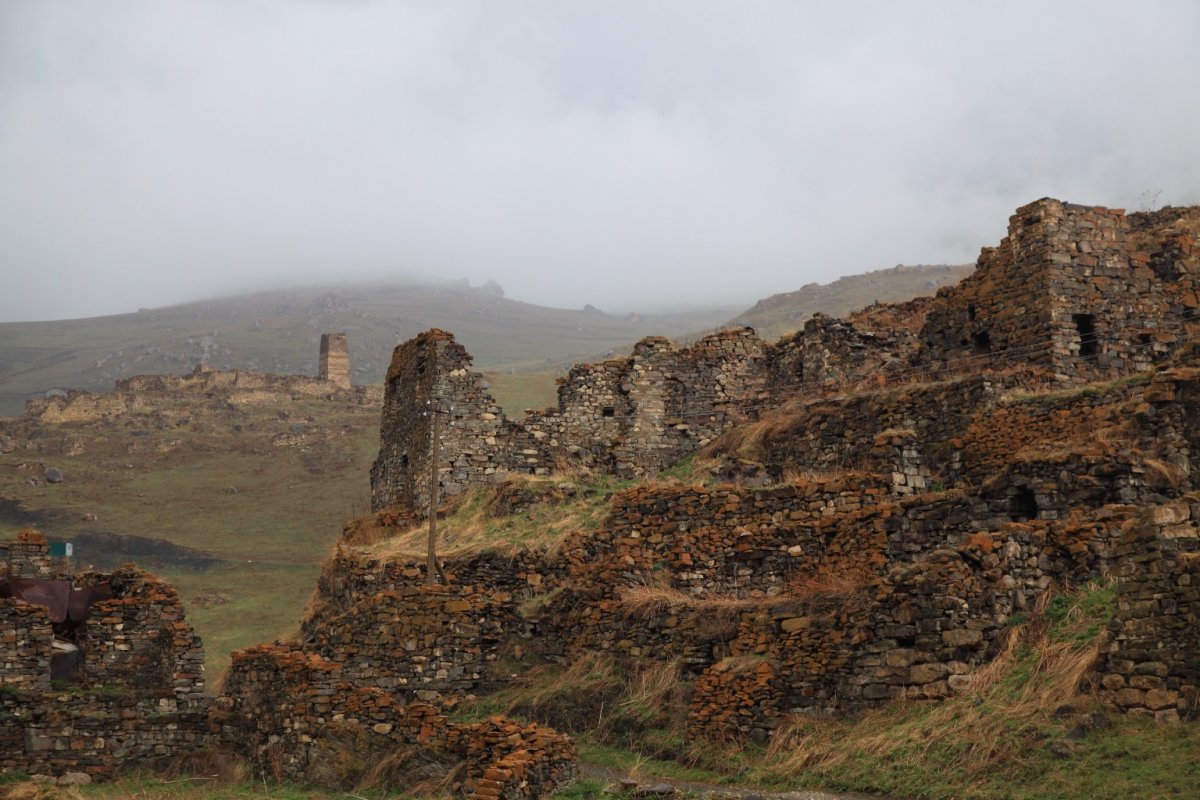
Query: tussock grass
(748,441)
(647,601)
(1164,474)
(1051,395)
(474,521)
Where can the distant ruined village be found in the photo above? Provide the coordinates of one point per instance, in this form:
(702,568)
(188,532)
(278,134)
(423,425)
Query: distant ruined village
(887,493)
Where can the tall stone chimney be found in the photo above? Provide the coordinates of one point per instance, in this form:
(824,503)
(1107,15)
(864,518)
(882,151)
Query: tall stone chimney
(335,359)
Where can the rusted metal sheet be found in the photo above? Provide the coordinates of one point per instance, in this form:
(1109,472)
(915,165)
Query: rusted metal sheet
(63,602)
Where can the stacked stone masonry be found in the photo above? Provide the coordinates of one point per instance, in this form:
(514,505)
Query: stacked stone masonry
(1150,664)
(1073,293)
(294,714)
(335,360)
(136,694)
(833,594)
(1086,291)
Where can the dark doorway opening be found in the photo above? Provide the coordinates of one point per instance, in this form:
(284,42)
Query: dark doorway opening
(1089,340)
(983,342)
(1023,506)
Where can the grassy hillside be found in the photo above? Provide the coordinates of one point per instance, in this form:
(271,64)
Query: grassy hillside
(781,314)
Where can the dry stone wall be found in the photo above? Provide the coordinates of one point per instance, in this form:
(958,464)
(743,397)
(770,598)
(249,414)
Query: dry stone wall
(624,417)
(296,717)
(25,642)
(100,732)
(1150,662)
(138,698)
(1087,291)
(26,556)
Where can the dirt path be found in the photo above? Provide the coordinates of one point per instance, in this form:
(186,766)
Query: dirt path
(652,787)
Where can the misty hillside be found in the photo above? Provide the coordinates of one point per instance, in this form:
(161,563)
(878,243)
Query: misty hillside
(280,332)
(781,314)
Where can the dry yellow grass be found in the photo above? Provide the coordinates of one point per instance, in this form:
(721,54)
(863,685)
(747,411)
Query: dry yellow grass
(644,601)
(478,520)
(1032,676)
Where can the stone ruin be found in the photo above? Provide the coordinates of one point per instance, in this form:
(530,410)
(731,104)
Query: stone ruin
(1081,293)
(1085,291)
(625,417)
(98,672)
(335,360)
(937,499)
(141,393)
(921,499)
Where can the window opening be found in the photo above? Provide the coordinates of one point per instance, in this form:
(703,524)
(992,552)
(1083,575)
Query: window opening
(1023,505)
(1089,340)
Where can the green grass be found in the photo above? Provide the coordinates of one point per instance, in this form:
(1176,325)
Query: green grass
(271,533)
(581,790)
(518,390)
(149,787)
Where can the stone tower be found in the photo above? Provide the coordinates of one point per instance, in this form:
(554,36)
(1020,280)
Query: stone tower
(335,359)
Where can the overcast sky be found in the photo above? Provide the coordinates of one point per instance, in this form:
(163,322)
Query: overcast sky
(625,154)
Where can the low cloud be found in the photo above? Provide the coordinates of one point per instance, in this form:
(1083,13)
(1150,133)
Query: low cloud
(627,155)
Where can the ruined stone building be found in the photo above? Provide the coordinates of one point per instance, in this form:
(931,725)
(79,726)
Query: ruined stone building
(625,417)
(142,393)
(99,671)
(1082,292)
(1086,291)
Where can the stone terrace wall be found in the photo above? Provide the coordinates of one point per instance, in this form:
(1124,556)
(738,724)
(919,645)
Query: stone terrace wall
(1150,665)
(718,545)
(918,629)
(416,641)
(294,715)
(872,431)
(1084,290)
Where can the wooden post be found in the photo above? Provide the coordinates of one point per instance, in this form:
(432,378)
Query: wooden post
(431,567)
